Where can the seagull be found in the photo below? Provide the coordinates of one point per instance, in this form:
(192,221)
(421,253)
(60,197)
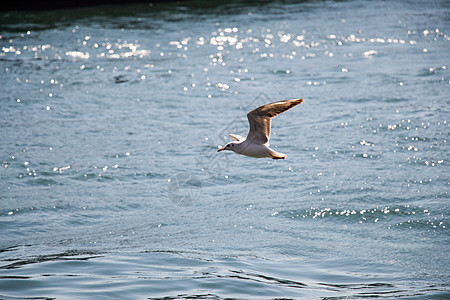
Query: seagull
(257,142)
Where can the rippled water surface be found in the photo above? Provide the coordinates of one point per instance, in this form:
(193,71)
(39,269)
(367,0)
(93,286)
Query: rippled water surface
(111,186)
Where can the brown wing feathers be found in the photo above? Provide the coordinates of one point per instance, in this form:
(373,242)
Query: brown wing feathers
(273,109)
(260,118)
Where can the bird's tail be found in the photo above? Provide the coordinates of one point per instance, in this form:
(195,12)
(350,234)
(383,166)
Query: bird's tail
(277,155)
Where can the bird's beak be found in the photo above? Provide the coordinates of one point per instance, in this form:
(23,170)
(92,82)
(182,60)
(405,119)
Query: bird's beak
(221,149)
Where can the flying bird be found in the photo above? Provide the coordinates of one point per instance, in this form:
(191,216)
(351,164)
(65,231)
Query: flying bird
(257,142)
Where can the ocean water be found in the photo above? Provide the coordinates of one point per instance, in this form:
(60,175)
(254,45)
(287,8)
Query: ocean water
(111,186)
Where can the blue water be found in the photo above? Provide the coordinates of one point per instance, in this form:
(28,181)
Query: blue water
(111,186)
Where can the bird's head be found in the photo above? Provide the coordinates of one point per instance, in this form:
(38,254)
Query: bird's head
(231,146)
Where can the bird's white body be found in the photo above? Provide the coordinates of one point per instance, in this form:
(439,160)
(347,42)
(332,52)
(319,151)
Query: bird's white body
(257,142)
(256,150)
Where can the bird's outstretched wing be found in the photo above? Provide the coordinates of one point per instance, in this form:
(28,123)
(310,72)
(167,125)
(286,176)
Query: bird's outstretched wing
(237,137)
(259,119)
